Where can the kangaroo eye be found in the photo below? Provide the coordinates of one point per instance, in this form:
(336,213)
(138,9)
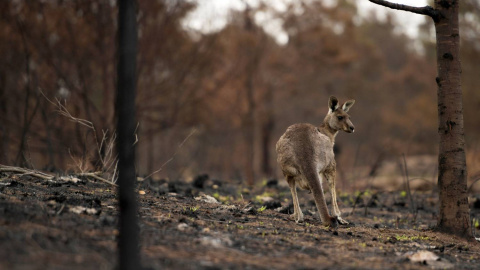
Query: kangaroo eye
(340,117)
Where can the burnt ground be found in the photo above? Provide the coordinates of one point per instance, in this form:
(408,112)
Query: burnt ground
(63,224)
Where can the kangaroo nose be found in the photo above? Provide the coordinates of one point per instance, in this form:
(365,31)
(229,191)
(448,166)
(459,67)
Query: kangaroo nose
(352,129)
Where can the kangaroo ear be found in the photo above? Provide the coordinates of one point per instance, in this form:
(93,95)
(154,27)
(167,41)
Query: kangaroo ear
(332,104)
(348,104)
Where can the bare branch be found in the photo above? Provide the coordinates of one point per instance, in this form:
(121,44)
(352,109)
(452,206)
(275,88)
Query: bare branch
(136,134)
(173,156)
(23,171)
(108,160)
(95,175)
(426,10)
(62,110)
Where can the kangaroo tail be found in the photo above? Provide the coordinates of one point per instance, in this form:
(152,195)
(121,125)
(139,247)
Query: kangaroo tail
(314,181)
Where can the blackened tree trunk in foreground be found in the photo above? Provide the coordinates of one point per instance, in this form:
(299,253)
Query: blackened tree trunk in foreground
(454,214)
(128,244)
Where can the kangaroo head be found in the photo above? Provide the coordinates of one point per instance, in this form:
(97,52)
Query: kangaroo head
(337,117)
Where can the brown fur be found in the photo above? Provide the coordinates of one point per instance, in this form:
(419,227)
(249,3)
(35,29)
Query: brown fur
(305,155)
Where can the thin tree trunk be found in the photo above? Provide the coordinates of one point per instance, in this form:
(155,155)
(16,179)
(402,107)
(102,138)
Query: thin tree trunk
(266,140)
(249,118)
(249,131)
(128,244)
(267,129)
(48,139)
(21,155)
(150,152)
(452,178)
(4,132)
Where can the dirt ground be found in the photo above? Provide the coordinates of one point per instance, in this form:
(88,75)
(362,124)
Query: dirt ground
(208,224)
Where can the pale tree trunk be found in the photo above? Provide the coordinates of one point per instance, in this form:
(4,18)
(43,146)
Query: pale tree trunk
(454,216)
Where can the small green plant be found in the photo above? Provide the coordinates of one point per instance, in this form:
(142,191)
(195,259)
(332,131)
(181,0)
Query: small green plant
(221,198)
(404,237)
(245,190)
(240,227)
(359,193)
(261,209)
(264,182)
(403,194)
(351,200)
(194,208)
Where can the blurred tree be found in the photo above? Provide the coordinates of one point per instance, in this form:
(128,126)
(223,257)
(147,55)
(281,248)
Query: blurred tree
(128,242)
(454,214)
(253,52)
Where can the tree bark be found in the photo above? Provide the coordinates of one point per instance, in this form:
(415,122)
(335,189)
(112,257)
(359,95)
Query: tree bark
(454,216)
(128,243)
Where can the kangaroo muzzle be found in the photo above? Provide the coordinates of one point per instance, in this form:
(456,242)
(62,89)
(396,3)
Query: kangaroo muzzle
(350,128)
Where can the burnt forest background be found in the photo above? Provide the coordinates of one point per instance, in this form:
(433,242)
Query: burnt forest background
(217,102)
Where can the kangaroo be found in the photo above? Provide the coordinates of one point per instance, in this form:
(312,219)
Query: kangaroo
(305,155)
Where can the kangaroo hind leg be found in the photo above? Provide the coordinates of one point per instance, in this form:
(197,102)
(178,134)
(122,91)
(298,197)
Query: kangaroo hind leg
(315,183)
(331,179)
(297,212)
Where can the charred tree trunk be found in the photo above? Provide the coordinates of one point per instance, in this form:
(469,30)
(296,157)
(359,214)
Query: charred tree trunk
(454,214)
(249,118)
(48,139)
(151,152)
(128,244)
(267,130)
(21,158)
(249,130)
(452,169)
(4,132)
(266,140)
